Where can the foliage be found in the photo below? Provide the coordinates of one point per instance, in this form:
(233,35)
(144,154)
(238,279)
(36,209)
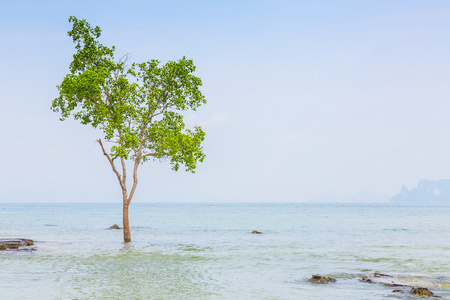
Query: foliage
(137,107)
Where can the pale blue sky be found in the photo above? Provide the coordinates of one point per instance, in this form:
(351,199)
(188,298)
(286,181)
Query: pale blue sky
(305,98)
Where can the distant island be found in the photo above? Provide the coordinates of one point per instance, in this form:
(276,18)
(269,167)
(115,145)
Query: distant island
(426,192)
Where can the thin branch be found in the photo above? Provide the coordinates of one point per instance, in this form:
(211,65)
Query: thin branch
(162,111)
(111,161)
(122,160)
(157,102)
(149,93)
(124,170)
(135,179)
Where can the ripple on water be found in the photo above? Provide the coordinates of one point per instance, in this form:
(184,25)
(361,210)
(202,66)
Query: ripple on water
(136,275)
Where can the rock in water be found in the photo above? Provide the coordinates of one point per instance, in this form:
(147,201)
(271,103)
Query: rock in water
(115,226)
(28,242)
(366,279)
(256,232)
(317,279)
(378,275)
(404,283)
(14,243)
(421,291)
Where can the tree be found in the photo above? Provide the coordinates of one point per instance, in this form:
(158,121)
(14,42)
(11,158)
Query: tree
(137,108)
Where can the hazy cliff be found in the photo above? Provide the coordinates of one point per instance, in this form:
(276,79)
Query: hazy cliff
(427,191)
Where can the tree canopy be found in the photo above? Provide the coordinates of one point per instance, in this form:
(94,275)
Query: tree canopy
(137,107)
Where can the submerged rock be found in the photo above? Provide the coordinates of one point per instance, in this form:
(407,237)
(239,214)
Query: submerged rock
(115,226)
(14,243)
(421,291)
(256,232)
(318,279)
(392,284)
(379,275)
(386,280)
(403,283)
(366,279)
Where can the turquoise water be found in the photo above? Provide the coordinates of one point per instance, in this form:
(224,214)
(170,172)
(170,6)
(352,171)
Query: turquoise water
(207,251)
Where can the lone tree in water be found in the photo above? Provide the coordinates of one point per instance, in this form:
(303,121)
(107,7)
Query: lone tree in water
(137,108)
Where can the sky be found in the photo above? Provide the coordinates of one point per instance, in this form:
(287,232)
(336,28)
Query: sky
(305,98)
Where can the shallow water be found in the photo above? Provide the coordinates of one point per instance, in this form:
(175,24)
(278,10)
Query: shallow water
(207,251)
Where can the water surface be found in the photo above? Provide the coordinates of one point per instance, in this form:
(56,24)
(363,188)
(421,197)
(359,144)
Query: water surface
(207,251)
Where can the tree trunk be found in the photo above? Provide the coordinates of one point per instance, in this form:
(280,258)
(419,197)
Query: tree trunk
(126,225)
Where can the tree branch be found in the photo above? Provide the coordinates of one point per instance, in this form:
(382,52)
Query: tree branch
(135,179)
(122,160)
(162,111)
(124,170)
(111,161)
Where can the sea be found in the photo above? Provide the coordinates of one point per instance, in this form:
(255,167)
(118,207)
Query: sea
(208,251)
